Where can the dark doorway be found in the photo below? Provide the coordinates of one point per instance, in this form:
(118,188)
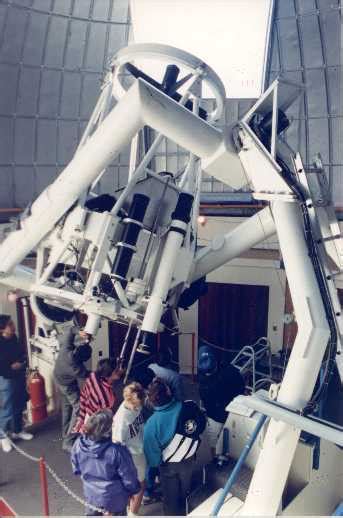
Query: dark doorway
(233,315)
(117,334)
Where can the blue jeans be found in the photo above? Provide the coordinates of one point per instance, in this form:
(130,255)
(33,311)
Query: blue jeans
(150,475)
(12,404)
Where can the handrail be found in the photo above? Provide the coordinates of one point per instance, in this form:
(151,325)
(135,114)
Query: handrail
(238,465)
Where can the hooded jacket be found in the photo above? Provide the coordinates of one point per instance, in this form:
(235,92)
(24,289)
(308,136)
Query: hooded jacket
(172,433)
(107,471)
(159,430)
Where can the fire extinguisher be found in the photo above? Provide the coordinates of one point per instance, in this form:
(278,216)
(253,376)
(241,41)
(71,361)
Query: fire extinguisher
(36,389)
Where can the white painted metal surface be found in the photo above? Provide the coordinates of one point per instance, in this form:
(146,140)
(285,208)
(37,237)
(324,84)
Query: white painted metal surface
(270,475)
(222,249)
(147,106)
(166,53)
(312,426)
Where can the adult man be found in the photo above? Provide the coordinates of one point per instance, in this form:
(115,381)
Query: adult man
(13,394)
(162,370)
(217,388)
(68,371)
(171,439)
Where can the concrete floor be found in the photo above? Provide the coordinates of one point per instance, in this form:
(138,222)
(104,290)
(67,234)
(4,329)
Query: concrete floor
(19,477)
(20,483)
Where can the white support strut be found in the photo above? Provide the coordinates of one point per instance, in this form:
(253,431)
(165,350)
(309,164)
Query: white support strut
(222,249)
(273,465)
(142,105)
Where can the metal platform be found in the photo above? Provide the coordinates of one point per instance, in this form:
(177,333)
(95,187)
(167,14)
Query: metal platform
(215,478)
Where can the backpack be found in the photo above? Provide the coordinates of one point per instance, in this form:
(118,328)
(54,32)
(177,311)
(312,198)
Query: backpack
(186,441)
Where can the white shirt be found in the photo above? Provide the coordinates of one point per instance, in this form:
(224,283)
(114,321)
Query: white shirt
(127,428)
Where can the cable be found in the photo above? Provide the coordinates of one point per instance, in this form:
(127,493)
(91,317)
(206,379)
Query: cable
(329,360)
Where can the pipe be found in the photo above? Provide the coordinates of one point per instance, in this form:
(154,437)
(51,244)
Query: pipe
(14,210)
(218,198)
(25,303)
(142,105)
(274,462)
(193,357)
(224,248)
(333,434)
(132,355)
(125,343)
(339,510)
(231,205)
(233,476)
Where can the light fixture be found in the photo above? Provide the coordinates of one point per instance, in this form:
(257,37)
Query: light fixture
(231,36)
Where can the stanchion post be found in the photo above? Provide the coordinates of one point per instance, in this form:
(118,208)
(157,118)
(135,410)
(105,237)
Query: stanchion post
(44,487)
(193,357)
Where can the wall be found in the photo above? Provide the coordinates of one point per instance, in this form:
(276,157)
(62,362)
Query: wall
(263,269)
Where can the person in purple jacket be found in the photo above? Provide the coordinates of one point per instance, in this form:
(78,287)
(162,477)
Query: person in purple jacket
(108,473)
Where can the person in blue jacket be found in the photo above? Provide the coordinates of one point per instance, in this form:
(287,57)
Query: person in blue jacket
(171,439)
(108,473)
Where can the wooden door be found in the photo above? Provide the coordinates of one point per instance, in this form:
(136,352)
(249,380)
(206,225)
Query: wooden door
(233,315)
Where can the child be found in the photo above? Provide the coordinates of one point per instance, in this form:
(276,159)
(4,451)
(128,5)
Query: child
(128,424)
(107,471)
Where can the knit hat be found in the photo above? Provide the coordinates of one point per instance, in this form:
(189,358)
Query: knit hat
(207,362)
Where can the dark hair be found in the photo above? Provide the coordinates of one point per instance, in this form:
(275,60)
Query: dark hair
(164,357)
(143,375)
(159,393)
(99,425)
(4,321)
(105,368)
(83,353)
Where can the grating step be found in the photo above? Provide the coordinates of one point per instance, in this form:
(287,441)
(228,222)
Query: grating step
(216,478)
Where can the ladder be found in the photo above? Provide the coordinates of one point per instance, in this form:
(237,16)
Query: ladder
(246,361)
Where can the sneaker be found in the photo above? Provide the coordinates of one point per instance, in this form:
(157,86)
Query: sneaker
(25,436)
(6,445)
(150,499)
